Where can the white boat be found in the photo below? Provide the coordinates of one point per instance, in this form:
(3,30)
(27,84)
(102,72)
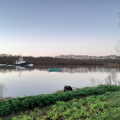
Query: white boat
(20,62)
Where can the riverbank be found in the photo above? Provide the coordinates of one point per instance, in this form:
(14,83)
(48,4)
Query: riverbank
(87,102)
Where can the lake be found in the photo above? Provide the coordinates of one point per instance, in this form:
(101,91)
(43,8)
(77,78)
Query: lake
(21,81)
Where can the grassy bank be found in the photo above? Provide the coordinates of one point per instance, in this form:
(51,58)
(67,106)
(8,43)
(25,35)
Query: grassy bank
(14,105)
(95,107)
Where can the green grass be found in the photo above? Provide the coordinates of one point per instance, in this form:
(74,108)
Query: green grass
(95,107)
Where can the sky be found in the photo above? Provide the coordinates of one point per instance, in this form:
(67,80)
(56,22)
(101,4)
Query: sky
(55,27)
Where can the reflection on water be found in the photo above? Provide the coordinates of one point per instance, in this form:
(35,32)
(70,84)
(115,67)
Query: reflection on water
(20,69)
(2,90)
(111,79)
(90,69)
(69,69)
(21,81)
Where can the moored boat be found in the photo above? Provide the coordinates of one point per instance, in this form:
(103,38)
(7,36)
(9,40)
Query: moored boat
(20,62)
(55,69)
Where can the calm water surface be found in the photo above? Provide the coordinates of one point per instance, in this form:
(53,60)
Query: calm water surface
(19,81)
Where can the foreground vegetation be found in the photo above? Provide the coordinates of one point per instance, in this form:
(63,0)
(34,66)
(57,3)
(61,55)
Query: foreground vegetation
(29,102)
(95,107)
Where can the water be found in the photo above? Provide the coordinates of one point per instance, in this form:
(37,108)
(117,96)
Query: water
(20,81)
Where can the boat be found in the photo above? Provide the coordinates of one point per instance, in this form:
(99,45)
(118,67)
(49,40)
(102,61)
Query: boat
(20,62)
(55,69)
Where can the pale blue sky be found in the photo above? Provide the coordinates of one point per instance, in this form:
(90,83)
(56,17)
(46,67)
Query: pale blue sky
(54,27)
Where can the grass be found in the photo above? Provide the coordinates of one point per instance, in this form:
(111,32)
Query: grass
(95,107)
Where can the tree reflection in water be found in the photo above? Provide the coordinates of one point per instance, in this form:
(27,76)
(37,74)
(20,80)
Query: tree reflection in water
(112,79)
(2,90)
(95,82)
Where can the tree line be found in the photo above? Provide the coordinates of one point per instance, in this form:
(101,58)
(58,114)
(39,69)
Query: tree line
(56,61)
